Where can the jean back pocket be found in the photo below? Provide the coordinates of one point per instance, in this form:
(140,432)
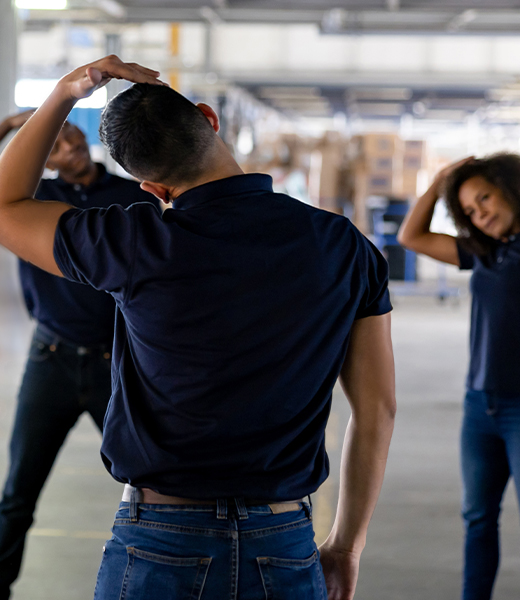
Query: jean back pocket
(150,575)
(287,578)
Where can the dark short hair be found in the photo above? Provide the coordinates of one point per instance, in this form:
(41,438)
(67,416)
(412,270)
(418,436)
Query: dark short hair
(155,133)
(501,170)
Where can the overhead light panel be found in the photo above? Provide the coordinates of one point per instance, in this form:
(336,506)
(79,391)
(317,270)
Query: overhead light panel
(379,93)
(289,92)
(31,93)
(42,4)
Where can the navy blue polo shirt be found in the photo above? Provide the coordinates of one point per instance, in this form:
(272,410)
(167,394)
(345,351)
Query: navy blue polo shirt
(234,312)
(495,319)
(75,312)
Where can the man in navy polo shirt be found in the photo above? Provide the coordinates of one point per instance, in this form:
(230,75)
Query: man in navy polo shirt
(237,310)
(68,369)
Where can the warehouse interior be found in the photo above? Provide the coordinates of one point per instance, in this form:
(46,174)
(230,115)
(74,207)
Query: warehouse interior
(352,107)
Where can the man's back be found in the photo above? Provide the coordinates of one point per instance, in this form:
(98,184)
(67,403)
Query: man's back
(237,306)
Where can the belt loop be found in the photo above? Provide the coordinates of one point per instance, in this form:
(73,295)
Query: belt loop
(308,508)
(222,508)
(241,508)
(134,499)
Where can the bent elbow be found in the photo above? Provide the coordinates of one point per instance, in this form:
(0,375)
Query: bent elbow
(390,408)
(403,238)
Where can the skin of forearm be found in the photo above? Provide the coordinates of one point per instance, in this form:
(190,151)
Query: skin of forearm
(23,160)
(418,220)
(5,128)
(364,456)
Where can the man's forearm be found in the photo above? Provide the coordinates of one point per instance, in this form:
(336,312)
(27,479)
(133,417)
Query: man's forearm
(23,160)
(418,220)
(5,128)
(365,451)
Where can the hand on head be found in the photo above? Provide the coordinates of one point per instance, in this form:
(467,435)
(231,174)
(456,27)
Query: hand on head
(85,80)
(443,174)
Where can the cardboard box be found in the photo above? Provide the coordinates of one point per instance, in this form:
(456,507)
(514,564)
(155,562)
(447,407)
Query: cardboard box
(375,144)
(412,162)
(372,183)
(415,147)
(414,155)
(409,185)
(379,164)
(326,176)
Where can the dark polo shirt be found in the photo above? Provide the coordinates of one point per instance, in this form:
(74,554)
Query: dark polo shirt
(75,312)
(234,313)
(495,319)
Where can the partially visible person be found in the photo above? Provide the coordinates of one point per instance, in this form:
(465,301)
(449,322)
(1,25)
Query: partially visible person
(68,368)
(483,197)
(237,310)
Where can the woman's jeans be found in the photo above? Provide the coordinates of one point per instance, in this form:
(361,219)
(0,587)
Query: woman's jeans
(61,381)
(490,454)
(227,551)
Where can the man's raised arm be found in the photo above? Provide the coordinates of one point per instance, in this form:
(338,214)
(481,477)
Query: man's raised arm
(27,226)
(368,379)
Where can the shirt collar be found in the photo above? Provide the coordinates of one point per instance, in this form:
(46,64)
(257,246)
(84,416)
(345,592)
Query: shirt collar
(238,185)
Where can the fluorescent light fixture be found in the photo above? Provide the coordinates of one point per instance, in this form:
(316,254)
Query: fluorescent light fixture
(31,93)
(42,4)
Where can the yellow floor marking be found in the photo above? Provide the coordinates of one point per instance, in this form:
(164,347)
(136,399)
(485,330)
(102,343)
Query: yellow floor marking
(49,532)
(85,535)
(91,535)
(80,470)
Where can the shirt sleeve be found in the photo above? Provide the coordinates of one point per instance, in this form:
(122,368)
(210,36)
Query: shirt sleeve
(466,259)
(96,246)
(376,298)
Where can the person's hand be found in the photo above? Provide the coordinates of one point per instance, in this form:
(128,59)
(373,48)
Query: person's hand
(17,120)
(85,80)
(341,570)
(440,179)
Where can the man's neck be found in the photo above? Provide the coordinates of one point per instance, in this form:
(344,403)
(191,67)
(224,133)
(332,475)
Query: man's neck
(224,165)
(85,178)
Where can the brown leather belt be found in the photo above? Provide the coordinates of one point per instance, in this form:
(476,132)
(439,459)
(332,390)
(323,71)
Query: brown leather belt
(148,496)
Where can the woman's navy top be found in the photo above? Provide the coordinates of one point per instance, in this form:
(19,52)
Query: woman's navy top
(495,318)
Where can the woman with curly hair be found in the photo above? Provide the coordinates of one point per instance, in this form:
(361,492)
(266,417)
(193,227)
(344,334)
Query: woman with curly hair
(483,197)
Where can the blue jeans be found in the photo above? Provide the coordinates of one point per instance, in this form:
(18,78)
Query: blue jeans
(60,382)
(490,454)
(223,552)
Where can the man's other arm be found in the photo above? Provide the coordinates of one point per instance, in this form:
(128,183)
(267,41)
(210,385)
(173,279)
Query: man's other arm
(368,379)
(27,226)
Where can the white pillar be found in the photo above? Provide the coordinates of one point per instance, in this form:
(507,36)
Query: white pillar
(8,56)
(8,67)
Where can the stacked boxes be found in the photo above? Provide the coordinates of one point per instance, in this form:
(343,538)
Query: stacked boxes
(414,161)
(327,185)
(376,168)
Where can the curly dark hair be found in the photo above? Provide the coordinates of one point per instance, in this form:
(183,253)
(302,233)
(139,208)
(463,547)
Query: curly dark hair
(501,170)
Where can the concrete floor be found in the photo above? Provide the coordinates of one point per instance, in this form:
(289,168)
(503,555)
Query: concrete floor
(414,543)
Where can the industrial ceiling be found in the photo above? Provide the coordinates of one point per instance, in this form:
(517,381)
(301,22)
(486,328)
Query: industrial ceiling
(354,94)
(345,17)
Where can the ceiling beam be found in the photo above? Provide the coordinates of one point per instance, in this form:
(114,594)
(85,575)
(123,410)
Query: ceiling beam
(393,5)
(336,21)
(461,21)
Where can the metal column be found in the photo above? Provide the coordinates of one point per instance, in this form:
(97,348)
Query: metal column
(8,56)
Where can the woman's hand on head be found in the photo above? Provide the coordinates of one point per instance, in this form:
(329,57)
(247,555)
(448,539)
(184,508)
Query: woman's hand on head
(443,174)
